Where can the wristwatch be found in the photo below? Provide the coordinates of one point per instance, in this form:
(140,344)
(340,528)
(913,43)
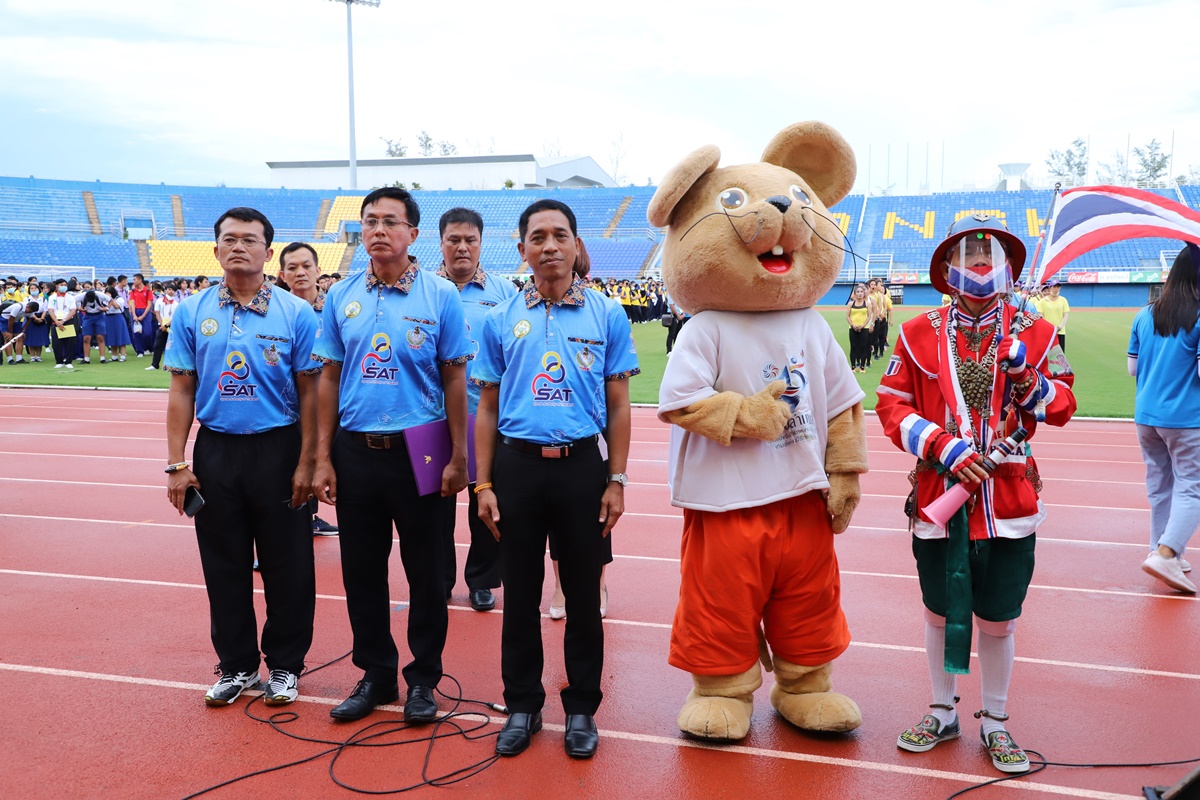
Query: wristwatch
(619,477)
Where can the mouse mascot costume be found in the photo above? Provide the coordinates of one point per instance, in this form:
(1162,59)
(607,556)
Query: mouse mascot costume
(767,438)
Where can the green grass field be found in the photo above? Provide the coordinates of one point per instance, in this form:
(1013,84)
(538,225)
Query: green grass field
(1096,346)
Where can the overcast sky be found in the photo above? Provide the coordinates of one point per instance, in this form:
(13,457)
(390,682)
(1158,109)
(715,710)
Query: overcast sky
(206,91)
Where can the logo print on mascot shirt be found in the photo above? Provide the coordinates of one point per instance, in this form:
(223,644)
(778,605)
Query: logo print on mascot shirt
(234,382)
(374,364)
(795,382)
(546,388)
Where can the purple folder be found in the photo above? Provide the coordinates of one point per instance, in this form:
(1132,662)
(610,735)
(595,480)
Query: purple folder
(429,451)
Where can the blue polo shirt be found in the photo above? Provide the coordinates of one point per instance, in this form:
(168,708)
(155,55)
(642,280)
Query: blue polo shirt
(479,296)
(551,361)
(1168,387)
(392,342)
(244,357)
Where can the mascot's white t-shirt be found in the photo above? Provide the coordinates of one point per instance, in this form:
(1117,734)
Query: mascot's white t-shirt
(722,351)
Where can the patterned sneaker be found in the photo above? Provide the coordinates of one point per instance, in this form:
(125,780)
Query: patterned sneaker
(1007,756)
(230,687)
(281,688)
(927,734)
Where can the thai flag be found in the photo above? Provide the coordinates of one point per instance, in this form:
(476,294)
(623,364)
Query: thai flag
(1088,217)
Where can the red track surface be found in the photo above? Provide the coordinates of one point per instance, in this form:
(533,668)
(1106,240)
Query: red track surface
(104,650)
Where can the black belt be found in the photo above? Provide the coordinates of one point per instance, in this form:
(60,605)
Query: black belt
(558,450)
(378,441)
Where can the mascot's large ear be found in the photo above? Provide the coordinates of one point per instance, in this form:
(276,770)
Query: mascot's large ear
(677,182)
(817,153)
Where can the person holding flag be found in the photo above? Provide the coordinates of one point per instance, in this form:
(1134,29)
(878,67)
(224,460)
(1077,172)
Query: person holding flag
(961,378)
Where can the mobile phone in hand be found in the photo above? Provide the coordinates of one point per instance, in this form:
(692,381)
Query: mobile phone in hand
(192,501)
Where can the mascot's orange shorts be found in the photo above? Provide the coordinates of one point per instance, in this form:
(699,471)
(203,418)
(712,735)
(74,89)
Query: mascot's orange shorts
(772,565)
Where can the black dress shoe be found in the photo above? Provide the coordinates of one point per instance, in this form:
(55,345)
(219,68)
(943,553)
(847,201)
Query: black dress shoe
(419,706)
(582,738)
(362,701)
(483,600)
(514,737)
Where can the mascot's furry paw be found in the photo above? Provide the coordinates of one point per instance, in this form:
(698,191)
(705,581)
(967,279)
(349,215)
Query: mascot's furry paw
(843,498)
(719,707)
(802,696)
(762,415)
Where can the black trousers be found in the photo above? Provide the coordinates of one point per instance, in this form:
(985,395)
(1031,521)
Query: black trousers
(376,489)
(482,570)
(246,482)
(560,498)
(860,348)
(881,334)
(160,344)
(64,348)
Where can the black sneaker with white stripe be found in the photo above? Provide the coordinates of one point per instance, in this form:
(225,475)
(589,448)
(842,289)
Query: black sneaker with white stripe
(282,688)
(230,687)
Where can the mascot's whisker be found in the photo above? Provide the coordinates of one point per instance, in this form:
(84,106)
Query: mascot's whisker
(731,218)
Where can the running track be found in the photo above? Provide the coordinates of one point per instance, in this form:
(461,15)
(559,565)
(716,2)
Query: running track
(104,650)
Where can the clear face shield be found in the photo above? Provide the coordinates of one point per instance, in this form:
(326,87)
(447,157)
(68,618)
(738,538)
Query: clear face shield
(979,267)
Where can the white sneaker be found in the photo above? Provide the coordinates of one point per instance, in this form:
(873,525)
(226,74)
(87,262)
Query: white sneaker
(1183,564)
(230,687)
(148,369)
(141,354)
(59,366)
(70,366)
(281,688)
(121,359)
(1168,571)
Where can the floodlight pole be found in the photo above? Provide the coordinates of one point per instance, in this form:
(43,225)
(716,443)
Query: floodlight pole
(350,74)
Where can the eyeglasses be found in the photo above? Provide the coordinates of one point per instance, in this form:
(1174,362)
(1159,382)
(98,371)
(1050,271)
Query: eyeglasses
(391,223)
(249,242)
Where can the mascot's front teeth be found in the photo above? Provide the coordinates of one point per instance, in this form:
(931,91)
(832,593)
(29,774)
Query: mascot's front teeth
(776,250)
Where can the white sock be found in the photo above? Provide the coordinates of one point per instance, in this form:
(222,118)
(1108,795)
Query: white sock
(996,655)
(944,683)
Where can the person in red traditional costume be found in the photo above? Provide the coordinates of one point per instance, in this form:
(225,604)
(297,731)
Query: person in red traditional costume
(961,379)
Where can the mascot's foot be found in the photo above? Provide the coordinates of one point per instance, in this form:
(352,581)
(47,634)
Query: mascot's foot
(802,696)
(719,707)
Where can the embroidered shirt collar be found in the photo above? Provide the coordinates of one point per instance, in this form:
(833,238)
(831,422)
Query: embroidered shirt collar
(479,278)
(573,297)
(262,298)
(404,283)
(965,320)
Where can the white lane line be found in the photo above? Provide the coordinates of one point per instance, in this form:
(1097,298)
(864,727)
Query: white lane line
(638,623)
(667,741)
(127,523)
(627,513)
(74,456)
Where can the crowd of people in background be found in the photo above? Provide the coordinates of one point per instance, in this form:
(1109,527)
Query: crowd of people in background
(869,315)
(113,317)
(118,317)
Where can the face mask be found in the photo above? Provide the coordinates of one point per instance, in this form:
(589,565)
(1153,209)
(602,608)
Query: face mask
(62,290)
(979,267)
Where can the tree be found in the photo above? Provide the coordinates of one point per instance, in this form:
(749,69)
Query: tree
(416,186)
(1192,176)
(395,148)
(616,155)
(447,148)
(508,183)
(1153,163)
(399,185)
(425,143)
(1071,163)
(1116,173)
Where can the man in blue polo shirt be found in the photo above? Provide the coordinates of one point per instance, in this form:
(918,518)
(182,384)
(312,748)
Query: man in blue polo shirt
(461,231)
(553,366)
(395,347)
(241,362)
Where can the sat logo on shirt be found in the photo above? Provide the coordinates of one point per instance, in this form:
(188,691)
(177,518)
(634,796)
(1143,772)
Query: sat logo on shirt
(374,365)
(545,387)
(234,382)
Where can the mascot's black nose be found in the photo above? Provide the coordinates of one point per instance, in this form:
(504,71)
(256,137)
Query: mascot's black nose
(780,202)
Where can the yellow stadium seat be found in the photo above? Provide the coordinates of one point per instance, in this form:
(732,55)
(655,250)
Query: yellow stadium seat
(344,207)
(188,259)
